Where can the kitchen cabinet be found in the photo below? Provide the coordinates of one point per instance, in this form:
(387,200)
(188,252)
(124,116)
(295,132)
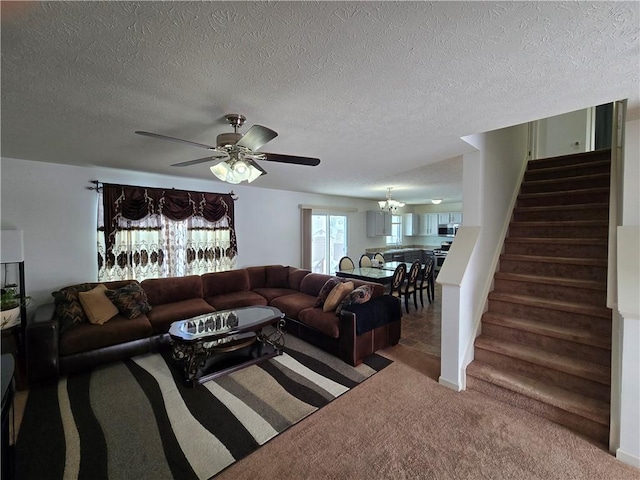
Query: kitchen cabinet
(429,224)
(411,224)
(378,223)
(451,217)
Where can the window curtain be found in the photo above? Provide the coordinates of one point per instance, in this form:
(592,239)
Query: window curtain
(152,233)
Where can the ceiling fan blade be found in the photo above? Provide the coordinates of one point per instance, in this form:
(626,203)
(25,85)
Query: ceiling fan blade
(256,137)
(210,158)
(255,164)
(173,139)
(278,157)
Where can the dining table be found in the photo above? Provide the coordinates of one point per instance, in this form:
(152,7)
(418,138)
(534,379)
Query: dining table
(370,274)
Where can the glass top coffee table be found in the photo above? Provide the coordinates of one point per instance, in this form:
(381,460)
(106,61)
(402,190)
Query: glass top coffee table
(215,344)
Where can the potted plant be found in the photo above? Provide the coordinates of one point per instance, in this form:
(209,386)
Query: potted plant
(10,303)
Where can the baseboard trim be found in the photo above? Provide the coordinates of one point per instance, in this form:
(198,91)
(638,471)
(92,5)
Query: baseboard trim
(448,384)
(627,458)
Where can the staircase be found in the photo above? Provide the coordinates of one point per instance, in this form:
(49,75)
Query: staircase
(546,337)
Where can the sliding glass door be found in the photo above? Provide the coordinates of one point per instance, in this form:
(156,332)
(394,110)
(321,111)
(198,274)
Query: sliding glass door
(328,242)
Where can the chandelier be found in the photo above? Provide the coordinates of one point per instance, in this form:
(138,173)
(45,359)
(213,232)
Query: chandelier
(236,169)
(390,204)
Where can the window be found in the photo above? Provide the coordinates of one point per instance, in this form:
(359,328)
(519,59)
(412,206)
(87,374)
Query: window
(329,242)
(396,231)
(150,233)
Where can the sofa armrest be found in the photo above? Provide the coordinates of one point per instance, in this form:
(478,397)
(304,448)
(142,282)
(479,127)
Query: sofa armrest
(359,323)
(42,345)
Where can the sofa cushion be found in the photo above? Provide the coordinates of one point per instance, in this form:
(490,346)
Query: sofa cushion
(271,293)
(358,296)
(237,299)
(97,306)
(291,305)
(162,316)
(325,322)
(225,282)
(336,296)
(277,276)
(257,277)
(326,289)
(131,300)
(312,283)
(69,311)
(87,336)
(173,289)
(295,277)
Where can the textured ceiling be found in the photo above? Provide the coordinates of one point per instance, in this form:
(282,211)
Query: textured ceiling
(381,92)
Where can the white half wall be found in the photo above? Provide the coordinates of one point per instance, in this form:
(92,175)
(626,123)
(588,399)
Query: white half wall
(52,206)
(491,180)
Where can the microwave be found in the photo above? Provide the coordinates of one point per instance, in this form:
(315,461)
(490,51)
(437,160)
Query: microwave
(449,230)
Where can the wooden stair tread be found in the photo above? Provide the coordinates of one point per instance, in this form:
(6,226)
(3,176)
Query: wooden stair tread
(565,192)
(595,410)
(555,208)
(557,240)
(562,332)
(561,168)
(553,361)
(559,223)
(560,281)
(595,262)
(571,307)
(590,176)
(588,157)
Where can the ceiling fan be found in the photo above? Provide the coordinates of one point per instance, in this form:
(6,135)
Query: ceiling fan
(238,152)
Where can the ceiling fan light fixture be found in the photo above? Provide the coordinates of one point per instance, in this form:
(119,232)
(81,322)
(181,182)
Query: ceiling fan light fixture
(436,201)
(255,173)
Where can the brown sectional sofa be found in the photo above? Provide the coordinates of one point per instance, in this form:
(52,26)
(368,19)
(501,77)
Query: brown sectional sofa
(351,336)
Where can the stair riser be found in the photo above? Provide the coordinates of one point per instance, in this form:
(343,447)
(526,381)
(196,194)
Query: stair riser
(552,173)
(564,161)
(562,270)
(549,344)
(584,426)
(544,230)
(563,198)
(582,386)
(586,296)
(545,186)
(598,325)
(557,250)
(600,214)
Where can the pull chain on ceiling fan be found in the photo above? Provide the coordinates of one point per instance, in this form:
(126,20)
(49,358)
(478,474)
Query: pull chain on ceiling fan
(238,152)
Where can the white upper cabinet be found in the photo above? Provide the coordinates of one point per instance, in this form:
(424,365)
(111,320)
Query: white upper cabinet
(378,223)
(411,224)
(448,218)
(429,224)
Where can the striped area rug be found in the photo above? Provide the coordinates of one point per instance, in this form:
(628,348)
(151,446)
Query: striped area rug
(136,420)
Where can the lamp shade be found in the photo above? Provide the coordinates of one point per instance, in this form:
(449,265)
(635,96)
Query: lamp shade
(11,246)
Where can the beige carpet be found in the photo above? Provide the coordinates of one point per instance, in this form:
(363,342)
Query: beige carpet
(401,424)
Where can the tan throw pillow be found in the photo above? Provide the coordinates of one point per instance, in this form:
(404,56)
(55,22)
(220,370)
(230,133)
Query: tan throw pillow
(337,295)
(97,306)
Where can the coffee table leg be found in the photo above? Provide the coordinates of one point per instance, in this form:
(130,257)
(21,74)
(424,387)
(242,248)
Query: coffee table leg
(187,355)
(275,339)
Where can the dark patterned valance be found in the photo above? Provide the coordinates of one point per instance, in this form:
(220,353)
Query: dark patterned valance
(135,203)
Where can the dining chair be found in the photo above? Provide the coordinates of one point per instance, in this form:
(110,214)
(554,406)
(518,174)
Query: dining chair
(365,261)
(399,273)
(378,256)
(409,287)
(346,263)
(426,280)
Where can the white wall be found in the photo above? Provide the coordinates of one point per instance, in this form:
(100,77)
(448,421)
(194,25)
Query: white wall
(57,214)
(558,135)
(491,180)
(631,190)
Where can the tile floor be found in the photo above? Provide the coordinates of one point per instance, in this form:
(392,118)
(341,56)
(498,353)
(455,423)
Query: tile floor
(421,328)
